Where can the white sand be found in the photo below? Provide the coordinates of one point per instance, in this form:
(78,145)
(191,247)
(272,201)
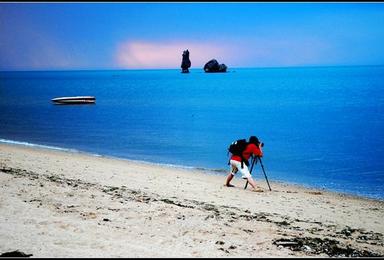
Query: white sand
(62,204)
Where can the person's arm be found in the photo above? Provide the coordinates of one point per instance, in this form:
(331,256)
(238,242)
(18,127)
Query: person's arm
(258,151)
(261,151)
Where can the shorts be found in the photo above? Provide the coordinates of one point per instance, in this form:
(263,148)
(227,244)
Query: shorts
(236,166)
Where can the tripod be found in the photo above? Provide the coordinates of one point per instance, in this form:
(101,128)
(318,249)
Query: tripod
(254,160)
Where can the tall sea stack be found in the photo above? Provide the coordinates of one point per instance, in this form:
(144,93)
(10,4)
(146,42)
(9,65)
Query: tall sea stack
(185,63)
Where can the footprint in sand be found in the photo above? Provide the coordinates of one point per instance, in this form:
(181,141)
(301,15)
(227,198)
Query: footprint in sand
(314,192)
(88,215)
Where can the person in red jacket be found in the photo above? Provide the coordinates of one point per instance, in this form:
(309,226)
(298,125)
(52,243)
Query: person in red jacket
(253,148)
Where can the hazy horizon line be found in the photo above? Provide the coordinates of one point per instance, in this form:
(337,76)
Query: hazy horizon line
(194,68)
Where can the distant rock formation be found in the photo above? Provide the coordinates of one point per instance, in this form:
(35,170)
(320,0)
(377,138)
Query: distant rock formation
(214,66)
(185,63)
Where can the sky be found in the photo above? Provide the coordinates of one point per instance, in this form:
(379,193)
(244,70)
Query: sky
(153,35)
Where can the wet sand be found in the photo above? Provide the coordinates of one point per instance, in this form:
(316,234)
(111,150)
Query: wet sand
(64,204)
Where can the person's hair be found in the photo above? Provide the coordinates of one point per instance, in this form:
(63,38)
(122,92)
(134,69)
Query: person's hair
(254,140)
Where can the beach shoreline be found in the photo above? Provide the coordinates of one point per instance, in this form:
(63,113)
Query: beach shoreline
(65,204)
(210,171)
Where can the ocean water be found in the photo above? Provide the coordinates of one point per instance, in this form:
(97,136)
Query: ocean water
(322,126)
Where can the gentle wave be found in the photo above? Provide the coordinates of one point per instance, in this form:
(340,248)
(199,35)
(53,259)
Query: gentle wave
(168,165)
(37,145)
(13,142)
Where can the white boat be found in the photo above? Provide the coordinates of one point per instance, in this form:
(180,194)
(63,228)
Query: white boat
(74,100)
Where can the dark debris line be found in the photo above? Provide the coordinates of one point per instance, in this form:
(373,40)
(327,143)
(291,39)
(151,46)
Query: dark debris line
(16,253)
(315,246)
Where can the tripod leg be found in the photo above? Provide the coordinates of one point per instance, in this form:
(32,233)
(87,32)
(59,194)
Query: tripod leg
(262,167)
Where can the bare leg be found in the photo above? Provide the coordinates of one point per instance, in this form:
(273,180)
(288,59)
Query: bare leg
(229,178)
(253,184)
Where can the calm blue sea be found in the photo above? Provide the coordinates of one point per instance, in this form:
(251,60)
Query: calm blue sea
(322,126)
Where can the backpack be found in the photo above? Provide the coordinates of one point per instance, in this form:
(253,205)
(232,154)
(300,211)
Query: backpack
(237,147)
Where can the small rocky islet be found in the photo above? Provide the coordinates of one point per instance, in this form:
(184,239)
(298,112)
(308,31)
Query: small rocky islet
(211,66)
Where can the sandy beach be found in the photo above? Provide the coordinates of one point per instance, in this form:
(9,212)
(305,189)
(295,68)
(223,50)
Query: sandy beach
(64,204)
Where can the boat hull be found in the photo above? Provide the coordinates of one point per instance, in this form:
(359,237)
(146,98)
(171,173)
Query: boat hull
(74,100)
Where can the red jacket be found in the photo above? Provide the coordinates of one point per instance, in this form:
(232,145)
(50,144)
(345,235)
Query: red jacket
(249,150)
